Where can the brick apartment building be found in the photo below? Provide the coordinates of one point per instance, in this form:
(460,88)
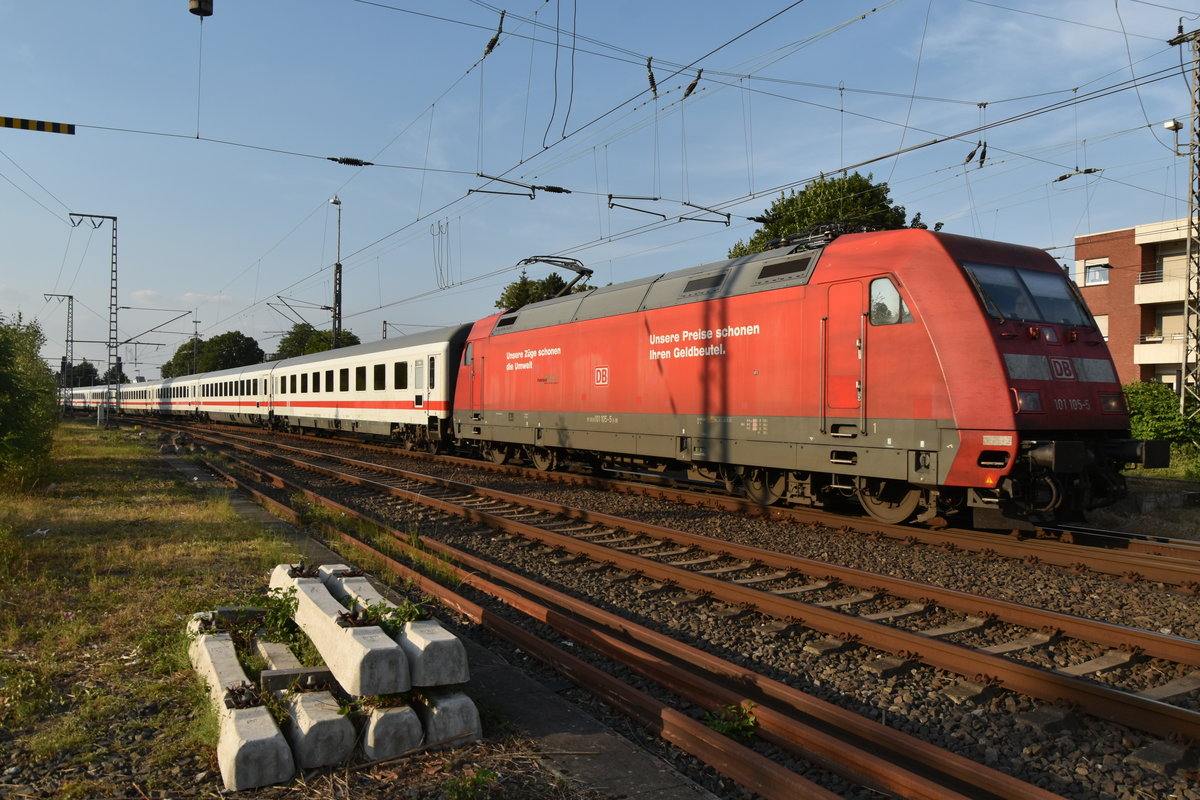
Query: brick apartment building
(1133,282)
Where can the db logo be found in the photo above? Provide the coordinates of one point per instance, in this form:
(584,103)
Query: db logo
(1062,369)
(602,376)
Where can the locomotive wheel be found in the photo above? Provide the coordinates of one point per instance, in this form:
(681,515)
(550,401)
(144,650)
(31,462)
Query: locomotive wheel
(497,454)
(543,458)
(889,501)
(763,486)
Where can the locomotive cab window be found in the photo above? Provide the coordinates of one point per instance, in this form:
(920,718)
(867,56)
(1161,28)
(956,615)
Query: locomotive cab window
(887,307)
(1027,295)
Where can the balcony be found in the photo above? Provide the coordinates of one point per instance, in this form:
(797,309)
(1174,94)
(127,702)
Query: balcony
(1159,349)
(1153,288)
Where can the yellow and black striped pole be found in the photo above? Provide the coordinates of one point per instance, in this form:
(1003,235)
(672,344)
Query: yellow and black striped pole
(37,125)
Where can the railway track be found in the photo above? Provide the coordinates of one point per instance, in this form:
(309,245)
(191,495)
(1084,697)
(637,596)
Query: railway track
(904,623)
(1133,557)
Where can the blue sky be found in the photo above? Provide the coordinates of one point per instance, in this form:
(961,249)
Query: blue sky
(210,143)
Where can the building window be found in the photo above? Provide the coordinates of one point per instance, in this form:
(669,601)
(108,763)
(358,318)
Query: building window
(1095,274)
(1102,325)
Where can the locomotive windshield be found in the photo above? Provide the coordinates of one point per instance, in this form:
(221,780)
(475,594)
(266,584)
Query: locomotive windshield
(1026,295)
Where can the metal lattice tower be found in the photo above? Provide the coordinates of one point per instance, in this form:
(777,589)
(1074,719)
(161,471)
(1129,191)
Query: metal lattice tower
(69,356)
(111,395)
(1189,394)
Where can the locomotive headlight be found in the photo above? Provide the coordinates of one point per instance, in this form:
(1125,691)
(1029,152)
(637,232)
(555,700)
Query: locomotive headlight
(1028,401)
(1112,403)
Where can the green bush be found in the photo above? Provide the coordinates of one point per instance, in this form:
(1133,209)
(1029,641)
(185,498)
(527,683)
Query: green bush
(28,403)
(1154,414)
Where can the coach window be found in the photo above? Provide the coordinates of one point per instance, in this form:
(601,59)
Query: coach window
(304,383)
(400,374)
(344,379)
(329,380)
(431,371)
(887,308)
(418,374)
(360,379)
(316,382)
(380,377)
(283,385)
(254,386)
(292,382)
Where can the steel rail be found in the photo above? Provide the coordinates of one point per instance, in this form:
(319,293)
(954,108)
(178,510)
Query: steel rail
(675,669)
(1101,701)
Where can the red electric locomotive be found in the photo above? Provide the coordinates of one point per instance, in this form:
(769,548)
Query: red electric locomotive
(922,373)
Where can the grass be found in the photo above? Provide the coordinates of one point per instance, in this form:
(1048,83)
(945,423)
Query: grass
(99,570)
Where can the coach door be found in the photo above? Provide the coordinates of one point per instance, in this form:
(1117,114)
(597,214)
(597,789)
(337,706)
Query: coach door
(844,340)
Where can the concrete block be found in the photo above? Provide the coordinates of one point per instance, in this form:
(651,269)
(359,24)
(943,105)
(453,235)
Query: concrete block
(365,661)
(449,719)
(435,656)
(319,734)
(390,732)
(251,750)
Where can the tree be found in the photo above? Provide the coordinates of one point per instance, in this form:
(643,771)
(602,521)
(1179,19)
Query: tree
(525,290)
(228,350)
(303,339)
(114,374)
(82,374)
(852,199)
(183,362)
(28,402)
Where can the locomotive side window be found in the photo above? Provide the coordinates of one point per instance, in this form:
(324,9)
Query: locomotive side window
(1026,295)
(468,354)
(887,307)
(400,376)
